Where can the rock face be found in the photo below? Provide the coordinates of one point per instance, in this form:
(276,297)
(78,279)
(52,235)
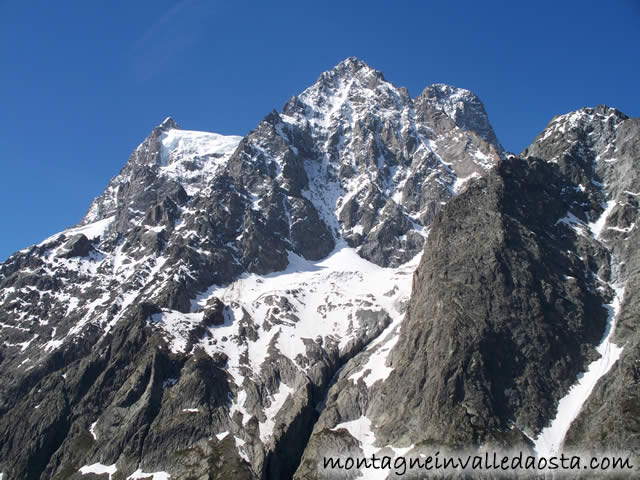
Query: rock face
(364,269)
(522,275)
(501,319)
(600,147)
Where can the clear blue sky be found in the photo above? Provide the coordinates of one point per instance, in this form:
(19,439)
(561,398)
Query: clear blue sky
(82,83)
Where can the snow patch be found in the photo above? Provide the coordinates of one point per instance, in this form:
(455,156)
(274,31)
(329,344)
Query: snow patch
(376,369)
(99,469)
(597,226)
(193,158)
(460,182)
(574,223)
(92,430)
(179,144)
(140,475)
(277,401)
(360,429)
(240,447)
(91,230)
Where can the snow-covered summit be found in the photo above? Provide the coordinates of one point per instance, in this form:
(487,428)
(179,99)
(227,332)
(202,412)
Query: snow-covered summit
(169,155)
(192,158)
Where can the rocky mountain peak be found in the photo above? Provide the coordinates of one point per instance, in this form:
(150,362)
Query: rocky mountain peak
(464,108)
(352,67)
(351,86)
(168,124)
(589,145)
(590,127)
(168,160)
(373,156)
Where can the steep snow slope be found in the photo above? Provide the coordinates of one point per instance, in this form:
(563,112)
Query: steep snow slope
(335,303)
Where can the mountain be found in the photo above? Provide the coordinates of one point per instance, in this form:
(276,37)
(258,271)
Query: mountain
(364,269)
(526,288)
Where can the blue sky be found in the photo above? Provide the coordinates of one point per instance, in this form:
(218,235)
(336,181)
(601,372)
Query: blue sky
(82,83)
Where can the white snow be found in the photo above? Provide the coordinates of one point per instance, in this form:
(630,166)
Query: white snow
(188,143)
(460,182)
(222,435)
(277,400)
(597,226)
(24,345)
(139,475)
(191,410)
(99,469)
(342,278)
(376,369)
(193,158)
(360,429)
(622,230)
(177,325)
(91,231)
(92,430)
(484,160)
(238,404)
(575,223)
(240,447)
(321,299)
(550,439)
(358,229)
(53,343)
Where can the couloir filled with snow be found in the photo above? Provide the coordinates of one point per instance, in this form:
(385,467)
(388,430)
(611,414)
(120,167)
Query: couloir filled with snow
(550,440)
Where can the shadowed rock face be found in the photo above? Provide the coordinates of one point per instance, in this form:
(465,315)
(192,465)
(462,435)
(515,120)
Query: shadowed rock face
(495,333)
(229,304)
(78,246)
